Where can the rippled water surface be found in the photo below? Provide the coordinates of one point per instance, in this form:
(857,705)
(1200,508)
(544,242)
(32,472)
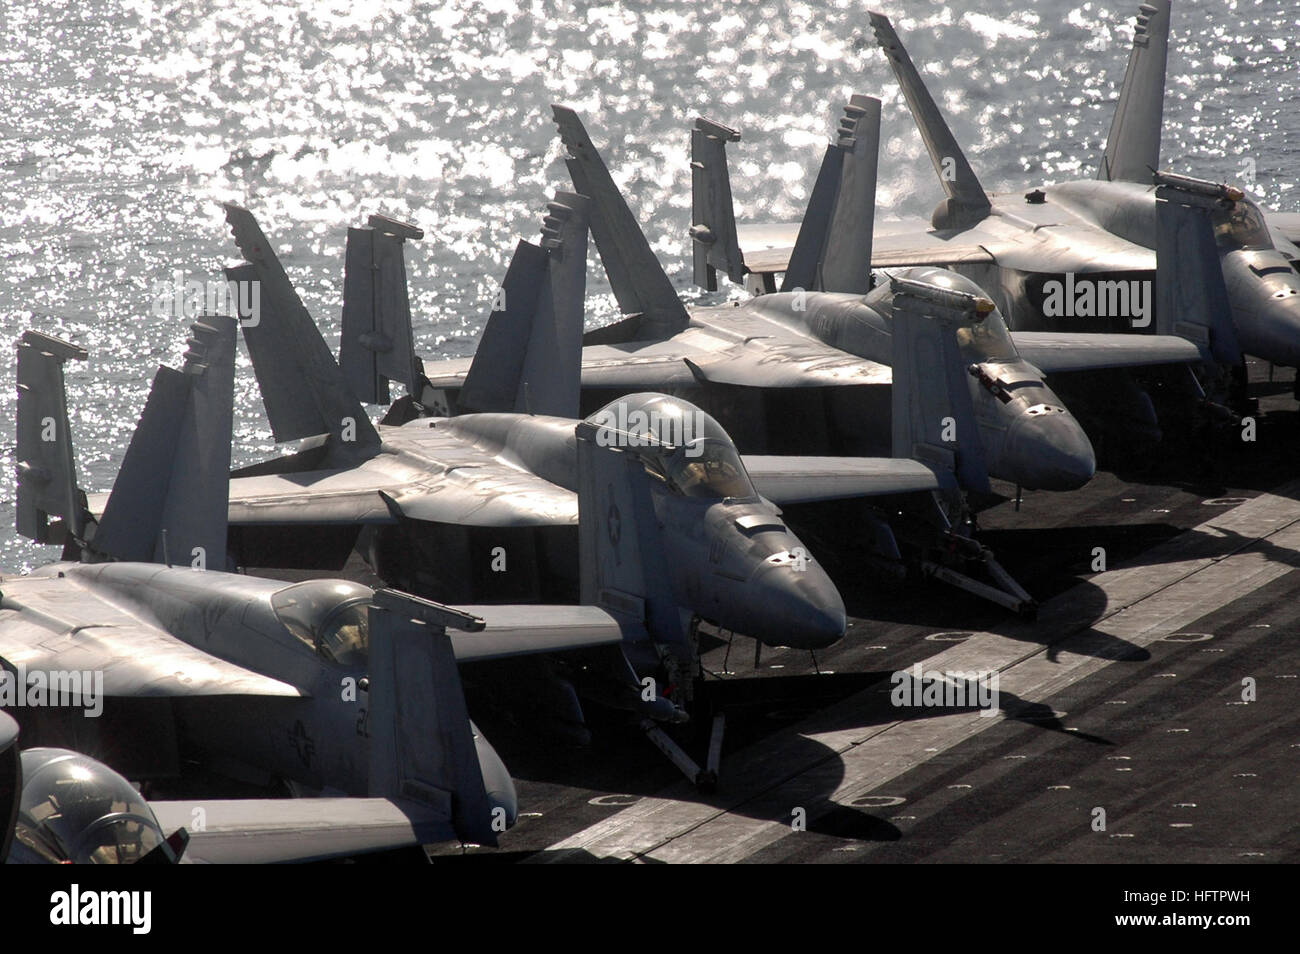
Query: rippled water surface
(125,123)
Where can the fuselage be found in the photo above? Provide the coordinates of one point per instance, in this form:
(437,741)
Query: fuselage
(724,543)
(310,636)
(1091,232)
(1029,438)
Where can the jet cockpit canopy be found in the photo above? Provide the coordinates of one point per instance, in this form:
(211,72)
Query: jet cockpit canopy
(330,616)
(74,809)
(696,456)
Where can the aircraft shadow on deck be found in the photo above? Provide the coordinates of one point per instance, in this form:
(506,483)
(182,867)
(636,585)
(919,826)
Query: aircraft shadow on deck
(762,731)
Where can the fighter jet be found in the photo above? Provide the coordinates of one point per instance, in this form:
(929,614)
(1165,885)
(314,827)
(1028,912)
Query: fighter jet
(1190,306)
(792,373)
(58,806)
(1082,255)
(325,685)
(442,500)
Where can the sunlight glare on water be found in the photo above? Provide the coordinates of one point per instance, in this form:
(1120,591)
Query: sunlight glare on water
(125,123)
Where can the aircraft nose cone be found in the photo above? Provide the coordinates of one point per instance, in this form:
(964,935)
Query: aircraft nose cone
(1271,328)
(503,800)
(800,608)
(1049,451)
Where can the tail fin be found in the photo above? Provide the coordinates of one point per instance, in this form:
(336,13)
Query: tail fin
(635,274)
(172,493)
(1133,145)
(303,388)
(803,269)
(935,425)
(530,356)
(713,216)
(376,344)
(622,562)
(833,250)
(1191,296)
(422,743)
(47,475)
(967,201)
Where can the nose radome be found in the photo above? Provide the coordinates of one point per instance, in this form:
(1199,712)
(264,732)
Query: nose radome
(1272,329)
(498,784)
(799,608)
(1049,451)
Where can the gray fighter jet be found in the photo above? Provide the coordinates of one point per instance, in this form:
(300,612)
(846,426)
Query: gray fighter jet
(1082,255)
(58,806)
(1190,307)
(791,372)
(324,684)
(439,495)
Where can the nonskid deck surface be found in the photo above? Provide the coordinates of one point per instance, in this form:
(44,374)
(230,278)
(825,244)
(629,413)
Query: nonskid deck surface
(1100,710)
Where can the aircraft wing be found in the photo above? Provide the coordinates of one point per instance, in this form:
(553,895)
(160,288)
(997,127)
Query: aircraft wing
(767,248)
(525,630)
(1055,352)
(1287,223)
(271,830)
(602,367)
(48,623)
(792,480)
(757,354)
(426,474)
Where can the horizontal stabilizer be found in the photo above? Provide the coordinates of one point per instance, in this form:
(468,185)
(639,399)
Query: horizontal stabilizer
(298,830)
(1058,352)
(793,480)
(526,630)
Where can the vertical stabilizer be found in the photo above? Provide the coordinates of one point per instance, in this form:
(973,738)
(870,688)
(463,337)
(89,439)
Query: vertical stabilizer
(303,388)
(846,255)
(714,243)
(635,274)
(1133,145)
(967,201)
(171,496)
(529,358)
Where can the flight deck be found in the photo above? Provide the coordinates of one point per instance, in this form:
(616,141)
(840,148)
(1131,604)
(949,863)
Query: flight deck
(1147,714)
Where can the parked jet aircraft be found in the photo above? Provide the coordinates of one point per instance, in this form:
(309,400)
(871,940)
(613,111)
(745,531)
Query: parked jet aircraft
(1089,366)
(786,372)
(1079,255)
(305,683)
(438,495)
(58,806)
